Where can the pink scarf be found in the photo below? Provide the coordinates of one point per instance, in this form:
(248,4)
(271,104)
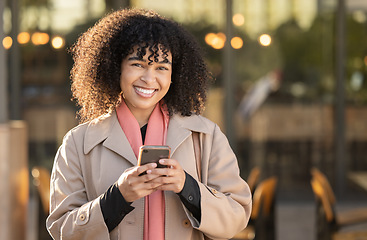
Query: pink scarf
(156,135)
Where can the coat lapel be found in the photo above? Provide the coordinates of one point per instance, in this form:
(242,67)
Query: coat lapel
(176,134)
(180,128)
(108,131)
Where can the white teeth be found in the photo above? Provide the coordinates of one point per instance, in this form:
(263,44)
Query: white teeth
(145,91)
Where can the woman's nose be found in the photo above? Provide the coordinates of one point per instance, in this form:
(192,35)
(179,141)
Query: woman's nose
(148,75)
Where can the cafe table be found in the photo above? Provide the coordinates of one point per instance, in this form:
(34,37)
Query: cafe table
(359,178)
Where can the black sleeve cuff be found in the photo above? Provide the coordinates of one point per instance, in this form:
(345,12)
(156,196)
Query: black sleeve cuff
(191,197)
(114,207)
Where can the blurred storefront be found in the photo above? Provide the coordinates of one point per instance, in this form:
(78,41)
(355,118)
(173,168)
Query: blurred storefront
(283,111)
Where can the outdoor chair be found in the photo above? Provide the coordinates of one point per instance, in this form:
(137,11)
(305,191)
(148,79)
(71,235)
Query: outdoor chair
(328,221)
(262,220)
(253,178)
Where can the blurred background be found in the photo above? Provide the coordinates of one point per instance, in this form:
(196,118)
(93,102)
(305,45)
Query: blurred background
(290,91)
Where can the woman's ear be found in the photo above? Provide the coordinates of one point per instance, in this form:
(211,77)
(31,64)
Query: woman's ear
(122,96)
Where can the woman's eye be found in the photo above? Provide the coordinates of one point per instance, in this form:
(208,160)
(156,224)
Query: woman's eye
(137,65)
(162,68)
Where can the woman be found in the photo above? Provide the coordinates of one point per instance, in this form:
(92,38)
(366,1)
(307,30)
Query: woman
(140,79)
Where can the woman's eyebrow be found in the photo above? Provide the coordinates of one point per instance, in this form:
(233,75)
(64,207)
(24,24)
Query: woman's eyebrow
(166,61)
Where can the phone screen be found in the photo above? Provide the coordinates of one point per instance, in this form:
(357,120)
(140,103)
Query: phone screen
(152,153)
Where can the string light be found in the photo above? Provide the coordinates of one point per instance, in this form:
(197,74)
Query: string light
(217,41)
(57,42)
(237,42)
(238,19)
(265,40)
(39,38)
(23,38)
(7,42)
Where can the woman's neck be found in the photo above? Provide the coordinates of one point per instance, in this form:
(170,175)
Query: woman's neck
(142,116)
(142,123)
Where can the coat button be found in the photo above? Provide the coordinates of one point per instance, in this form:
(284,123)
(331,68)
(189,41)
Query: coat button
(215,191)
(186,223)
(82,217)
(191,198)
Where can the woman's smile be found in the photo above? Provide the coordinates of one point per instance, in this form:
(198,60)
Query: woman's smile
(144,92)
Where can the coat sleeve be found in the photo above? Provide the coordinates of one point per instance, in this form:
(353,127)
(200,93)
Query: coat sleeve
(226,200)
(72,216)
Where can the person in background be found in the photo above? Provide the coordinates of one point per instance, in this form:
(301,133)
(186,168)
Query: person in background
(140,79)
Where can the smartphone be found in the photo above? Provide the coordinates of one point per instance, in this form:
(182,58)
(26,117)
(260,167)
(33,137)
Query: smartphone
(152,153)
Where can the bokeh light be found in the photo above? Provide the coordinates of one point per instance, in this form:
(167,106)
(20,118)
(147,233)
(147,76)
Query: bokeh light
(39,38)
(209,38)
(265,40)
(57,42)
(23,38)
(237,42)
(238,19)
(7,42)
(217,41)
(222,36)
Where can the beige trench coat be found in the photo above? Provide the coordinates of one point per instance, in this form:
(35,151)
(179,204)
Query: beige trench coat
(93,156)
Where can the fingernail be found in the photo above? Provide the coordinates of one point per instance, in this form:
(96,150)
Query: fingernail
(149,171)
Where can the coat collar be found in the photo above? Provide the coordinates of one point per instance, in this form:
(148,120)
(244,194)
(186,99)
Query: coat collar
(106,129)
(180,128)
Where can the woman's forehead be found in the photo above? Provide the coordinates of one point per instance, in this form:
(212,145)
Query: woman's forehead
(160,51)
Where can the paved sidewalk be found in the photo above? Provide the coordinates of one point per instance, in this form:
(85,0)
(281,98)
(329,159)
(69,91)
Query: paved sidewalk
(296,221)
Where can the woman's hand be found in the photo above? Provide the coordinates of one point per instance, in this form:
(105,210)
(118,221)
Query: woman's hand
(171,178)
(132,186)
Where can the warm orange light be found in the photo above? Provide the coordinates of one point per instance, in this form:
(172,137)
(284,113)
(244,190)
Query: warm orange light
(222,36)
(217,41)
(7,42)
(238,19)
(209,38)
(365,60)
(57,42)
(265,40)
(23,38)
(39,38)
(237,42)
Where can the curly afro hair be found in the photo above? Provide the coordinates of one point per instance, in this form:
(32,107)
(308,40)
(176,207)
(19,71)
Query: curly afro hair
(98,54)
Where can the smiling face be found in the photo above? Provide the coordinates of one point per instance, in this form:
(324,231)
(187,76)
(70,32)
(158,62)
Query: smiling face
(144,82)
